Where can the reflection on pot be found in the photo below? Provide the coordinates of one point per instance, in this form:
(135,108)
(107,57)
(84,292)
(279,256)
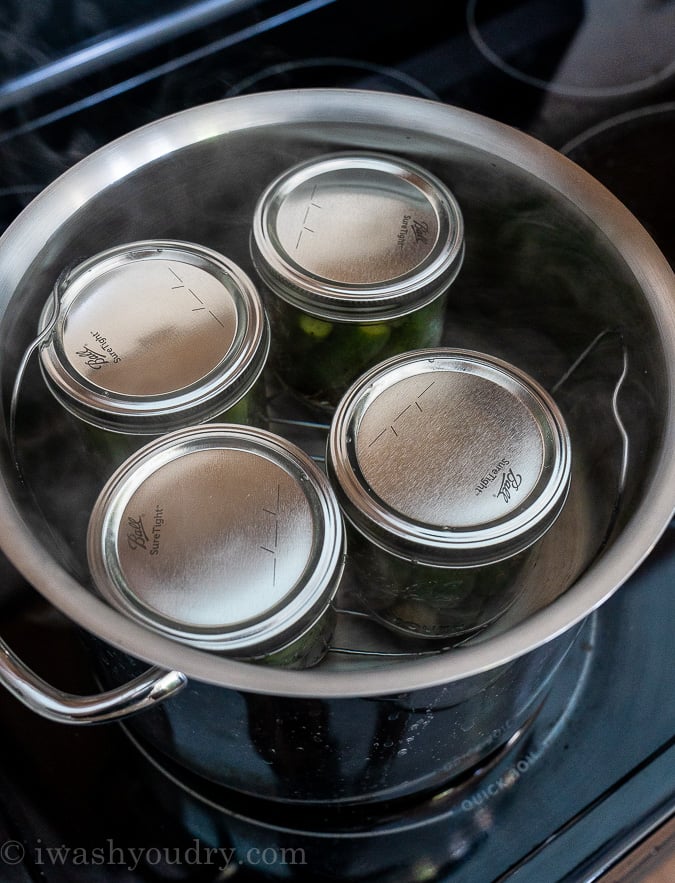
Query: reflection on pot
(340,751)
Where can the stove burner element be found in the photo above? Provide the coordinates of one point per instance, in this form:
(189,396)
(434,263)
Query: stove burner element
(422,837)
(312,72)
(605,55)
(631,154)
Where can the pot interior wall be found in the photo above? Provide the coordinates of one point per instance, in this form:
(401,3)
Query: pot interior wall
(540,283)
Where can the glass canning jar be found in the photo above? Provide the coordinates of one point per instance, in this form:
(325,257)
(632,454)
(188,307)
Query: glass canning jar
(227,538)
(152,336)
(450,467)
(357,252)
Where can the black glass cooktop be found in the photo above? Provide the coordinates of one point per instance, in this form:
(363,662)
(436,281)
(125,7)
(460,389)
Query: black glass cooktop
(595,772)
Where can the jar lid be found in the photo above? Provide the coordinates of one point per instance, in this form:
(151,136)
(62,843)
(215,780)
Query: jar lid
(225,537)
(154,335)
(450,457)
(357,237)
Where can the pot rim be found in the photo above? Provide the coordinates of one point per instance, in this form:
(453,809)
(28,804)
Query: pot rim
(142,146)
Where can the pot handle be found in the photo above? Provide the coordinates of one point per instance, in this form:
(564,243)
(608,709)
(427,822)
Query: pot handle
(145,691)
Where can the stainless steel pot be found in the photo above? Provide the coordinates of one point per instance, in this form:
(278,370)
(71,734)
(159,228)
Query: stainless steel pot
(559,280)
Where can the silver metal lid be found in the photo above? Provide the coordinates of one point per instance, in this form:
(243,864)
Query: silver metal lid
(357,237)
(450,457)
(224,537)
(154,335)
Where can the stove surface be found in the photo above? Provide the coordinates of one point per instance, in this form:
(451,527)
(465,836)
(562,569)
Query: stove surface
(594,774)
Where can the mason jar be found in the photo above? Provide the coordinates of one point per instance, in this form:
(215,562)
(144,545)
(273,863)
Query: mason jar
(450,466)
(152,336)
(227,538)
(357,252)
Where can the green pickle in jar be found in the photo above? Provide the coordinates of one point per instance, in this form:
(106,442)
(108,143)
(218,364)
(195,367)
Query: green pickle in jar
(320,359)
(450,467)
(436,602)
(357,253)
